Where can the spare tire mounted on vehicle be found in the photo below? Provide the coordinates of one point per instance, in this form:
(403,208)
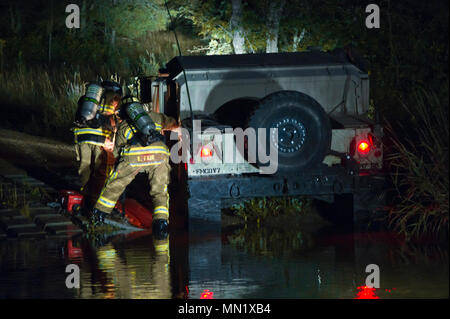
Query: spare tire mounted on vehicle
(304,131)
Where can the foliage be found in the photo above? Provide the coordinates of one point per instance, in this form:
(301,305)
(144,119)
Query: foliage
(42,101)
(420,165)
(217,46)
(17,196)
(211,19)
(9,195)
(396,61)
(326,23)
(271,242)
(130,19)
(113,34)
(36,101)
(261,209)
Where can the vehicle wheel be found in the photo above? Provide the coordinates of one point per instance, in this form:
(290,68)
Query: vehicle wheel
(304,130)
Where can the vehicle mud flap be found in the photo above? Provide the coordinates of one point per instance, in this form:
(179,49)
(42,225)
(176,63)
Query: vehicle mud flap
(203,201)
(203,209)
(368,209)
(339,212)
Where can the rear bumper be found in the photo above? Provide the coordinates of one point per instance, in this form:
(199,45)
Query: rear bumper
(207,195)
(323,181)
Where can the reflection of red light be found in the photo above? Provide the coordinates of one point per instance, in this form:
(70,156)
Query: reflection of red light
(390,290)
(72,251)
(366,292)
(206,294)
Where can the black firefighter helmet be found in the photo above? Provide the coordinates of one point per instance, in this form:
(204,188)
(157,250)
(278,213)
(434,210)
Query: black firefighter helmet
(111,86)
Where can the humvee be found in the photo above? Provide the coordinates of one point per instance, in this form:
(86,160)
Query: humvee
(327,145)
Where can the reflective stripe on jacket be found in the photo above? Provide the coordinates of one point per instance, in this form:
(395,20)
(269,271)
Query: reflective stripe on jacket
(134,152)
(96,136)
(153,154)
(107,109)
(130,131)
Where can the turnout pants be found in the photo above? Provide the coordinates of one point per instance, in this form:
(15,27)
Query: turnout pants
(153,162)
(92,170)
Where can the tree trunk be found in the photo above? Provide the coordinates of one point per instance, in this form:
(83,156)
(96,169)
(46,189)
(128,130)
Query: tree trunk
(236,27)
(297,39)
(273,25)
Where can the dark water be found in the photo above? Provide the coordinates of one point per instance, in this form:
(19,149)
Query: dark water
(236,263)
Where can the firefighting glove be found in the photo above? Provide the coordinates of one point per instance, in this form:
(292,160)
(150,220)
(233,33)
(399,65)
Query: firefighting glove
(105,122)
(153,136)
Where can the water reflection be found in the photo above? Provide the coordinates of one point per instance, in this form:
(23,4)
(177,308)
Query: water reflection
(242,262)
(265,262)
(136,266)
(365,292)
(270,241)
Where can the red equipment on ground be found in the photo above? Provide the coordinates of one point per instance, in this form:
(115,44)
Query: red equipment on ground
(136,214)
(70,198)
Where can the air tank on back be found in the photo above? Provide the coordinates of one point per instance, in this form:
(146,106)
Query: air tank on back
(91,101)
(140,118)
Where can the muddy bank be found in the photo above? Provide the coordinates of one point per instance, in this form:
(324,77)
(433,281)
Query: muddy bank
(49,160)
(26,149)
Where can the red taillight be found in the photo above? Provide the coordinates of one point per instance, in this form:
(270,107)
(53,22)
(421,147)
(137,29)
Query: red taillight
(363,147)
(206,152)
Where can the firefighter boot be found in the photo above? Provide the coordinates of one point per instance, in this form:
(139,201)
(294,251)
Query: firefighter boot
(97,217)
(119,217)
(160,229)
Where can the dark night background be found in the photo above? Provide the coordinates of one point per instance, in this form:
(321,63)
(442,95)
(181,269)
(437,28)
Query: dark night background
(44,65)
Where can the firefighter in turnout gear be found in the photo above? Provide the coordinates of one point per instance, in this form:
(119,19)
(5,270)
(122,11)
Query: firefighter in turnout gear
(93,138)
(141,148)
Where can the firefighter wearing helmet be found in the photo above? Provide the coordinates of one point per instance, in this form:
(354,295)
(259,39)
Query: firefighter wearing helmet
(140,147)
(95,125)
